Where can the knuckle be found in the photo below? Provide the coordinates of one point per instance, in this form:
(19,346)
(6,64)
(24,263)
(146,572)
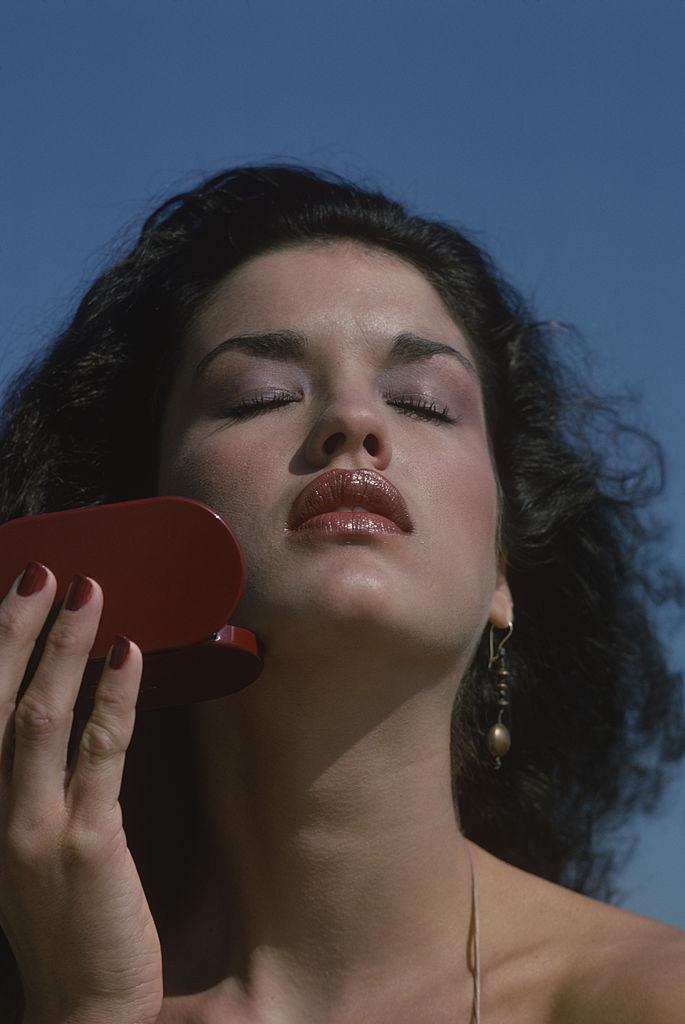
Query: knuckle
(67,637)
(101,738)
(28,837)
(36,716)
(25,839)
(112,701)
(84,840)
(78,843)
(12,626)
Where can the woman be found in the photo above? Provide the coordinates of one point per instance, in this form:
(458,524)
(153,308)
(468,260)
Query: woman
(349,838)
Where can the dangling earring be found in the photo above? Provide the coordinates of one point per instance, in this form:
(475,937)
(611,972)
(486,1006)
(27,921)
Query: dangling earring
(499,737)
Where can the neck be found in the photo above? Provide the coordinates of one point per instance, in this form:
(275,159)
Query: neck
(332,875)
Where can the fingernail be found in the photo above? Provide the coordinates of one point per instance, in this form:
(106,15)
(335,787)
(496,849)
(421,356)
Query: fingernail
(78,594)
(34,579)
(120,650)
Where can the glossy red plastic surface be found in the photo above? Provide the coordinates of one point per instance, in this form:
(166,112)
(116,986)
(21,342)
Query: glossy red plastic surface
(172,572)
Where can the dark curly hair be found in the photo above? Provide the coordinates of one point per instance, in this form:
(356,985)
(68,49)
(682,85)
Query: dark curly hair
(596,713)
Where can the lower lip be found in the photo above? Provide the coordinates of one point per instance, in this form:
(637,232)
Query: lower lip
(348,524)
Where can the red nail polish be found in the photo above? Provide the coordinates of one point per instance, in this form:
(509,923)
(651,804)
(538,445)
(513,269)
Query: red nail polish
(120,651)
(34,579)
(78,594)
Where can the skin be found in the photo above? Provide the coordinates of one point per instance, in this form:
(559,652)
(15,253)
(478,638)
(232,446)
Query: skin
(331,882)
(327,783)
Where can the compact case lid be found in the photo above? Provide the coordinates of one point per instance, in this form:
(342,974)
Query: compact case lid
(171,569)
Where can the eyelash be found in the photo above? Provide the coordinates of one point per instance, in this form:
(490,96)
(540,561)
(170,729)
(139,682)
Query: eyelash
(421,409)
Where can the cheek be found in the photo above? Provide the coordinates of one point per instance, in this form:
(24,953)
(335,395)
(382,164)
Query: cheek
(466,514)
(230,480)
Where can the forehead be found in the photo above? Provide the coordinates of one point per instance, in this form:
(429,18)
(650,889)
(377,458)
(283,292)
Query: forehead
(333,291)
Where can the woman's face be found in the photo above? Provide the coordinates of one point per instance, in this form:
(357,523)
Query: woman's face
(437,585)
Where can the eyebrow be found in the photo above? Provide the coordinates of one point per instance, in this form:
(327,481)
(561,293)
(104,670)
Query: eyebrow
(292,347)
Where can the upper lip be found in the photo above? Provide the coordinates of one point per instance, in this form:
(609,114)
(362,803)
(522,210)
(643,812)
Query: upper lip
(350,487)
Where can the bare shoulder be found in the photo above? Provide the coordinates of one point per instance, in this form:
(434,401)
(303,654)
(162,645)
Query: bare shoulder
(629,969)
(588,962)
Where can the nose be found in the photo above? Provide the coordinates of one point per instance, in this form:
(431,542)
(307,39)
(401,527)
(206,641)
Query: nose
(349,427)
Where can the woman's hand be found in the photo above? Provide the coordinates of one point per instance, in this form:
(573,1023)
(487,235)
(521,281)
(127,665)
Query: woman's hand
(71,902)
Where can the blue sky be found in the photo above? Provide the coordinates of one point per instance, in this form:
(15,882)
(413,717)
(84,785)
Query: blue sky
(553,129)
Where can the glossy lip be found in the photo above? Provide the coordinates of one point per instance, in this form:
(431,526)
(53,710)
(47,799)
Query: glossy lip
(350,525)
(350,487)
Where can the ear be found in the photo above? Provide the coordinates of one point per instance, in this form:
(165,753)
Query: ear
(502,606)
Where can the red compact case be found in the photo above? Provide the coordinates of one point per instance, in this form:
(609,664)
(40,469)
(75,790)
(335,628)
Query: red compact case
(172,573)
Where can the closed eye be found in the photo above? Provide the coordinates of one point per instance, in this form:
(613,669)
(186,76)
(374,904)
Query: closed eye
(423,408)
(412,405)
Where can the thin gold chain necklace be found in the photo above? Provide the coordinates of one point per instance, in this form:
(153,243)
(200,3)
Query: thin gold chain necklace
(475,1013)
